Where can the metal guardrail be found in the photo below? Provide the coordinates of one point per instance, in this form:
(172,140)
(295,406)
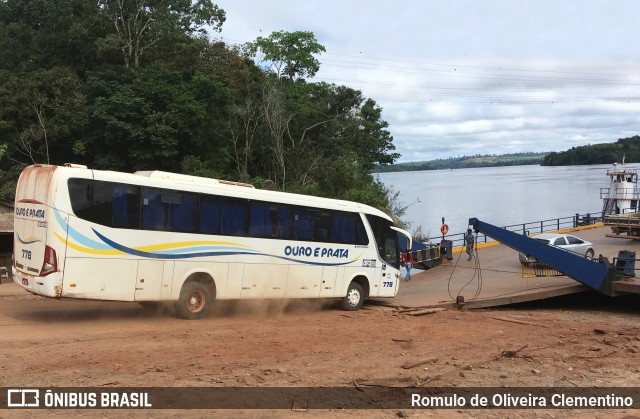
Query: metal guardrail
(620,193)
(425,255)
(535,227)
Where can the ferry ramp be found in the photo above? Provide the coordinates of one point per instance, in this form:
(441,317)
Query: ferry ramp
(494,278)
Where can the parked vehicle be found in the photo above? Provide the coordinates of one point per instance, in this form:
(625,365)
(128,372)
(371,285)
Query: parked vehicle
(566,242)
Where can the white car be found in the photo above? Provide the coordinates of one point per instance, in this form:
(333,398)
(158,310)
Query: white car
(565,242)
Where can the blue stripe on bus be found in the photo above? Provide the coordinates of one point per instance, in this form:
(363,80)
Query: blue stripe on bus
(151,255)
(79,237)
(28,241)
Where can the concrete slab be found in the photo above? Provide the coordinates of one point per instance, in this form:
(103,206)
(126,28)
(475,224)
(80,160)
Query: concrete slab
(494,277)
(627,286)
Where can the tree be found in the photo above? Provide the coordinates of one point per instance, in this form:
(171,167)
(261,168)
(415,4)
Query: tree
(370,135)
(152,118)
(289,54)
(243,124)
(135,84)
(49,33)
(341,136)
(42,108)
(276,119)
(142,24)
(628,148)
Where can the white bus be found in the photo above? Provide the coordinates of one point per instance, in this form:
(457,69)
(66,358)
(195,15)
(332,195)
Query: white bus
(158,236)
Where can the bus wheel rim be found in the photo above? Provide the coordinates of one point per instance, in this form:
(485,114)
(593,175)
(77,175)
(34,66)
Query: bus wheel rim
(353,297)
(195,301)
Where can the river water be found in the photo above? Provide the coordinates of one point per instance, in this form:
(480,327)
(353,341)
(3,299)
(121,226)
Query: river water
(498,195)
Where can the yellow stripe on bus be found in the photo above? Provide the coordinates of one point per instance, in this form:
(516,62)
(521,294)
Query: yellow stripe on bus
(165,246)
(148,248)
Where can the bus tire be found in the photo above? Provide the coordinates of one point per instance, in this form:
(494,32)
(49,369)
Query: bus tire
(354,298)
(194,301)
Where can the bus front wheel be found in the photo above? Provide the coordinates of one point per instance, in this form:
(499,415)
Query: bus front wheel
(354,298)
(194,301)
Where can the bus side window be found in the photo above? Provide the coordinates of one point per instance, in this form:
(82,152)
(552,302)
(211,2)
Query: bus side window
(260,220)
(270,221)
(210,214)
(284,222)
(106,203)
(311,224)
(80,196)
(344,228)
(125,206)
(348,228)
(363,238)
(153,215)
(302,224)
(321,226)
(181,209)
(234,217)
(320,234)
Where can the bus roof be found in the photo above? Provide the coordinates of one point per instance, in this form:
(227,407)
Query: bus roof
(168,180)
(158,174)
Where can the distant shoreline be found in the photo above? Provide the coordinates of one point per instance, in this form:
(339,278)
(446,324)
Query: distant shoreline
(465,162)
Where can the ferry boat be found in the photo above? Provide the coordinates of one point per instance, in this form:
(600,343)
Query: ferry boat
(622,195)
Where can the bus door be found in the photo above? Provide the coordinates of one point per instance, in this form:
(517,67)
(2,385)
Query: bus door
(150,278)
(386,284)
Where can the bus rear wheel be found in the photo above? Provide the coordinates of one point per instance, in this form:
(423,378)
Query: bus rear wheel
(194,301)
(354,298)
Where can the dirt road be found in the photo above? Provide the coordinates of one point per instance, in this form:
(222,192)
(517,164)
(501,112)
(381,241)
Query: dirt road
(584,340)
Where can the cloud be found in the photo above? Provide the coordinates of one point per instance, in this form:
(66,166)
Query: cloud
(466,77)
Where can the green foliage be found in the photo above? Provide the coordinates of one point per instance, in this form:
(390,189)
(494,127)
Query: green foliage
(374,194)
(290,54)
(142,27)
(42,109)
(8,181)
(192,165)
(38,34)
(371,136)
(627,148)
(136,85)
(146,119)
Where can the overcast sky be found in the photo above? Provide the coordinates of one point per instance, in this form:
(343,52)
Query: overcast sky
(466,77)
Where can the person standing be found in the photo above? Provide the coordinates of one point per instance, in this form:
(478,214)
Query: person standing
(407,258)
(469,241)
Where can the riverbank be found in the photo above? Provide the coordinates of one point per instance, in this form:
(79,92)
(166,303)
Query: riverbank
(580,342)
